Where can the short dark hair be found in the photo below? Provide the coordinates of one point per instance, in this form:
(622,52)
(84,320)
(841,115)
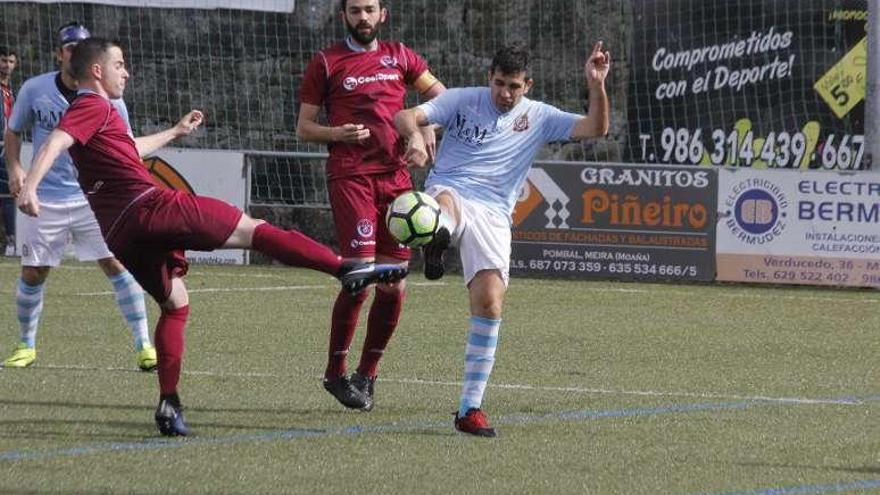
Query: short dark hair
(86,53)
(510,60)
(5,52)
(344,4)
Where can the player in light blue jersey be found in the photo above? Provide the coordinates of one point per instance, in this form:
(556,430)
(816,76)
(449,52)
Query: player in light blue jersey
(491,136)
(67,217)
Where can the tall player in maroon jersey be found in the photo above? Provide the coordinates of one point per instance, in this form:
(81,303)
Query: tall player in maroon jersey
(147,227)
(362,82)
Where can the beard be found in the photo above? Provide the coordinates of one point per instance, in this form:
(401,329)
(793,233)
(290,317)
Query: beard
(361,38)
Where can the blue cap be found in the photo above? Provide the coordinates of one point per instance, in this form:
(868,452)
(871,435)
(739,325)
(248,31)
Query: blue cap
(73,33)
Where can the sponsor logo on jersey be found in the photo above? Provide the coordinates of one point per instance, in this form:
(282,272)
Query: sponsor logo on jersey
(46,118)
(466,131)
(351,82)
(356,243)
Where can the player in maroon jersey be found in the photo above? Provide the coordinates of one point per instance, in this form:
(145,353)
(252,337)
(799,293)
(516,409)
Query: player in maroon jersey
(148,227)
(361,82)
(8,62)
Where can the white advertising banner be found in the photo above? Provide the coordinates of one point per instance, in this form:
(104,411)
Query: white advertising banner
(814,228)
(285,6)
(219,174)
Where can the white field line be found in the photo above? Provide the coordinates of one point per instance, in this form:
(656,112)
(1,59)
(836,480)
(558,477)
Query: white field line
(517,386)
(223,289)
(209,290)
(648,393)
(762,297)
(611,290)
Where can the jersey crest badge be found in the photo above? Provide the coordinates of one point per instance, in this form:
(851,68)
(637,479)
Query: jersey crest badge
(521,123)
(365,228)
(388,61)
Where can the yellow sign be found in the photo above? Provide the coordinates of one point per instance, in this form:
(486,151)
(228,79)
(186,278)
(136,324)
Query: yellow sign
(843,86)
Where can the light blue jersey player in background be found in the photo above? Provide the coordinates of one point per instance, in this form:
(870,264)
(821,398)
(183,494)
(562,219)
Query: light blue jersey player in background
(66,217)
(491,136)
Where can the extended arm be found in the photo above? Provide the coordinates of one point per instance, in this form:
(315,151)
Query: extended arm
(409,123)
(189,123)
(429,131)
(57,142)
(595,123)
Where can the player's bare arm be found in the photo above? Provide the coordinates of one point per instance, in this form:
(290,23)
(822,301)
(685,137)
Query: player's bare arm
(57,142)
(429,87)
(408,124)
(12,148)
(310,130)
(596,69)
(184,127)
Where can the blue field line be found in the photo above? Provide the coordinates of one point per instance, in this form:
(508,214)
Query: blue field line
(300,434)
(841,487)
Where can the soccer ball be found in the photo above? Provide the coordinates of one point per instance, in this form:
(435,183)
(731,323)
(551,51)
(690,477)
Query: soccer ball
(413,218)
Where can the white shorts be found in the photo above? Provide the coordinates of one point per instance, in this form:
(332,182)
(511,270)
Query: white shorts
(44,239)
(482,236)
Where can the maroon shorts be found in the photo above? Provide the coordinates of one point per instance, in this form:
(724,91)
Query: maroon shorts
(359,205)
(152,236)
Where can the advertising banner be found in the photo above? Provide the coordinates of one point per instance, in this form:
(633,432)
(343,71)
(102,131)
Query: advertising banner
(749,84)
(616,221)
(814,228)
(219,174)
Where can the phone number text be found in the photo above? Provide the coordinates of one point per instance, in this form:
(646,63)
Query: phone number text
(605,268)
(745,149)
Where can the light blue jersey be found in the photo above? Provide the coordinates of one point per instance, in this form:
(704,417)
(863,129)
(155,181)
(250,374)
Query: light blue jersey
(39,106)
(485,155)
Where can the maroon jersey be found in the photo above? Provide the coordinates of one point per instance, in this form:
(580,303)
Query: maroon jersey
(363,87)
(111,173)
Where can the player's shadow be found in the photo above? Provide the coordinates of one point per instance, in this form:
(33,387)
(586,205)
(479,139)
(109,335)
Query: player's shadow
(426,432)
(70,405)
(5,490)
(56,405)
(127,431)
(60,429)
(283,411)
(845,469)
(284,419)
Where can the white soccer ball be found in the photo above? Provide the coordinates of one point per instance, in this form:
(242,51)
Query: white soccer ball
(412,218)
